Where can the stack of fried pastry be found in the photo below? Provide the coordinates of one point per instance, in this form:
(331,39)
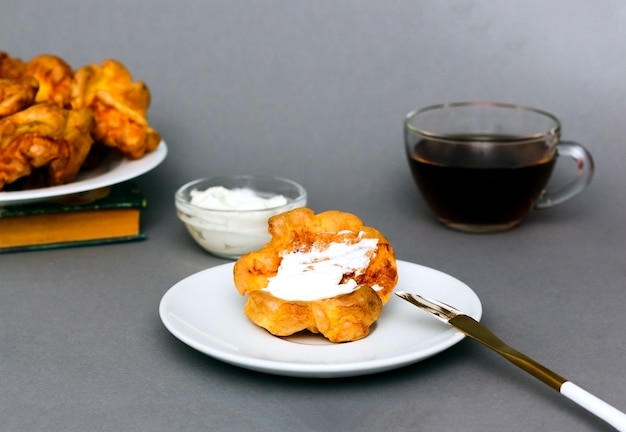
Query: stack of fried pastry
(326,273)
(52,118)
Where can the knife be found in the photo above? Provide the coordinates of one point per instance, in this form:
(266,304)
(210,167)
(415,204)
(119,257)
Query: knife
(475,330)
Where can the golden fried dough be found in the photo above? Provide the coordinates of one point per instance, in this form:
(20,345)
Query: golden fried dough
(343,318)
(55,76)
(10,67)
(44,136)
(17,94)
(301,229)
(319,242)
(119,105)
(51,115)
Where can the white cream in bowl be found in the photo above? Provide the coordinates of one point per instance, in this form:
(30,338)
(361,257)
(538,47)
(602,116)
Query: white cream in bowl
(221,198)
(228,216)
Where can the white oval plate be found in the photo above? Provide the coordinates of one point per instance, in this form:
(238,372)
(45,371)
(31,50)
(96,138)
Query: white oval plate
(114,170)
(205,311)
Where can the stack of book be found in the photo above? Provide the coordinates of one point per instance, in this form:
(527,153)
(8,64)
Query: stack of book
(106,215)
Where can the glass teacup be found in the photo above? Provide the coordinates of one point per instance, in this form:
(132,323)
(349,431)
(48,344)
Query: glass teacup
(482,166)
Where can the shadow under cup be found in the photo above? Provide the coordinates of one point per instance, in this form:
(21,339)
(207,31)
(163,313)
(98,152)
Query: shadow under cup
(481,166)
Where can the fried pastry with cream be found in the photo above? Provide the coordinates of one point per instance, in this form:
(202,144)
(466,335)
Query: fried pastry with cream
(119,105)
(44,138)
(326,273)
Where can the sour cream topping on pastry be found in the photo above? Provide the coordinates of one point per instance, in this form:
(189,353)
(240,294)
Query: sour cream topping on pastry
(221,198)
(317,274)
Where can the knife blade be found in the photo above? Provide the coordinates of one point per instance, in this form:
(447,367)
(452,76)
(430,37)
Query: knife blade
(478,332)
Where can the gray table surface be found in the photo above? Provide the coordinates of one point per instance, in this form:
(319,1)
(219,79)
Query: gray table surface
(316,91)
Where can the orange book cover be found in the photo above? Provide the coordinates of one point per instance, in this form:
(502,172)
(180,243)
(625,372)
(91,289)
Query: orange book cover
(110,214)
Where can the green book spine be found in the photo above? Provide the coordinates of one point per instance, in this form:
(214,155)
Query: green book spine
(120,195)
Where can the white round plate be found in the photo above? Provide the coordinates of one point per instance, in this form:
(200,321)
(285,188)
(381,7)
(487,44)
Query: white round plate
(205,311)
(114,170)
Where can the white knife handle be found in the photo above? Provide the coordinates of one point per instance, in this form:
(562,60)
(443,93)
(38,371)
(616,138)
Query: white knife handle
(591,403)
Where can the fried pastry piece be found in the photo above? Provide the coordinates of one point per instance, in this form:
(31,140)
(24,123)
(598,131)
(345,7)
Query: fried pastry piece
(286,281)
(56,79)
(10,67)
(17,94)
(343,318)
(44,138)
(119,105)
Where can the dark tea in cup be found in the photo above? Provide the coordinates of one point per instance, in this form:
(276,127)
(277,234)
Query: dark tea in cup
(482,167)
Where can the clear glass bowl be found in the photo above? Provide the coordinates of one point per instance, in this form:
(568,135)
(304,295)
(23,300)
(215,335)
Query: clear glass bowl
(233,233)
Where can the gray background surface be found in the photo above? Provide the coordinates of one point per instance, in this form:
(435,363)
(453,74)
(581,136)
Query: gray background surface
(316,91)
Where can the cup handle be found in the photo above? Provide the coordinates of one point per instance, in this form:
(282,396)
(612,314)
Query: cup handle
(584,173)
